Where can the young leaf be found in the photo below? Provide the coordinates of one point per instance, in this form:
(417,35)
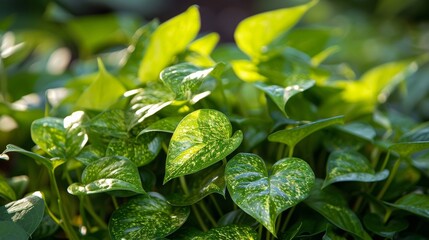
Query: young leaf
(184,79)
(102,93)
(201,139)
(6,191)
(50,164)
(414,203)
(167,125)
(254,34)
(161,49)
(113,173)
(281,95)
(140,151)
(26,212)
(146,217)
(349,165)
(292,136)
(205,45)
(225,233)
(330,204)
(262,195)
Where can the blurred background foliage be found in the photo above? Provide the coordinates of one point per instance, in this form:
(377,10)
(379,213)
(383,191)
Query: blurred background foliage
(46,45)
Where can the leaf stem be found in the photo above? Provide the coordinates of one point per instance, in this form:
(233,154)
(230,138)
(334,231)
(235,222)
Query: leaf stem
(199,219)
(291,148)
(184,185)
(90,209)
(3,82)
(389,180)
(115,202)
(288,217)
(217,207)
(207,213)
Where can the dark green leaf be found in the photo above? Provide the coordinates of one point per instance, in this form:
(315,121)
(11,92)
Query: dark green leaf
(331,204)
(330,234)
(146,217)
(89,154)
(108,124)
(26,212)
(414,203)
(361,130)
(140,151)
(293,135)
(406,149)
(6,191)
(280,95)
(11,230)
(225,233)
(375,224)
(50,164)
(201,139)
(167,125)
(237,217)
(349,165)
(262,195)
(19,184)
(113,173)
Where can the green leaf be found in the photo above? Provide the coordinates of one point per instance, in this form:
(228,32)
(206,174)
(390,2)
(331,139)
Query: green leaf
(375,224)
(247,71)
(226,233)
(161,49)
(292,136)
(330,234)
(167,125)
(280,95)
(361,130)
(349,165)
(415,203)
(63,138)
(184,79)
(254,34)
(108,124)
(205,45)
(103,92)
(113,173)
(6,191)
(262,195)
(330,203)
(50,164)
(406,149)
(89,154)
(140,151)
(200,184)
(11,230)
(26,212)
(146,217)
(201,139)
(237,217)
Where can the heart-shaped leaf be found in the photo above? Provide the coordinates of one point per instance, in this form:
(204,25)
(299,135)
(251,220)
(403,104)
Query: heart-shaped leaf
(264,196)
(6,191)
(375,224)
(406,149)
(414,203)
(331,204)
(201,139)
(113,173)
(184,79)
(146,217)
(200,184)
(108,124)
(50,164)
(349,165)
(167,125)
(281,95)
(225,233)
(292,136)
(26,212)
(140,151)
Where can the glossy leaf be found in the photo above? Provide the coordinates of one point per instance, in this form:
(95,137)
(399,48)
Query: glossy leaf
(184,79)
(108,124)
(200,184)
(375,224)
(26,212)
(50,164)
(109,174)
(6,191)
(406,149)
(280,95)
(89,154)
(361,130)
(140,151)
(292,136)
(226,233)
(167,125)
(201,139)
(262,195)
(161,49)
(349,165)
(415,203)
(146,217)
(254,34)
(103,92)
(333,206)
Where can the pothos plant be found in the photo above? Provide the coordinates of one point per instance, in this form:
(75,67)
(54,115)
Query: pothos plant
(259,140)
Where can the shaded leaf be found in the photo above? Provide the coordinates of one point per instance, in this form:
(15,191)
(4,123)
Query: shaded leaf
(146,217)
(415,203)
(201,139)
(349,165)
(167,125)
(225,233)
(406,149)
(262,195)
(237,217)
(6,191)
(113,173)
(50,164)
(89,154)
(361,130)
(375,224)
(11,230)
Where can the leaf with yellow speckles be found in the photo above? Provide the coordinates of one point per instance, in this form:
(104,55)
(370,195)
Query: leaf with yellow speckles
(109,174)
(225,233)
(146,217)
(201,139)
(265,195)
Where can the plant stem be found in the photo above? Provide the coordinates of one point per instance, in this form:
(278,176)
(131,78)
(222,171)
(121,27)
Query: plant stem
(260,228)
(184,185)
(387,215)
(199,219)
(291,148)
(115,202)
(90,209)
(288,217)
(207,213)
(218,209)
(3,82)
(389,180)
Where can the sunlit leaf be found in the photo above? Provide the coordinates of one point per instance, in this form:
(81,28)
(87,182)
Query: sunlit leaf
(146,217)
(247,71)
(292,136)
(103,92)
(348,165)
(415,203)
(265,195)
(113,173)
(375,224)
(206,44)
(167,125)
(26,212)
(225,233)
(281,95)
(201,139)
(50,164)
(255,33)
(333,206)
(161,49)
